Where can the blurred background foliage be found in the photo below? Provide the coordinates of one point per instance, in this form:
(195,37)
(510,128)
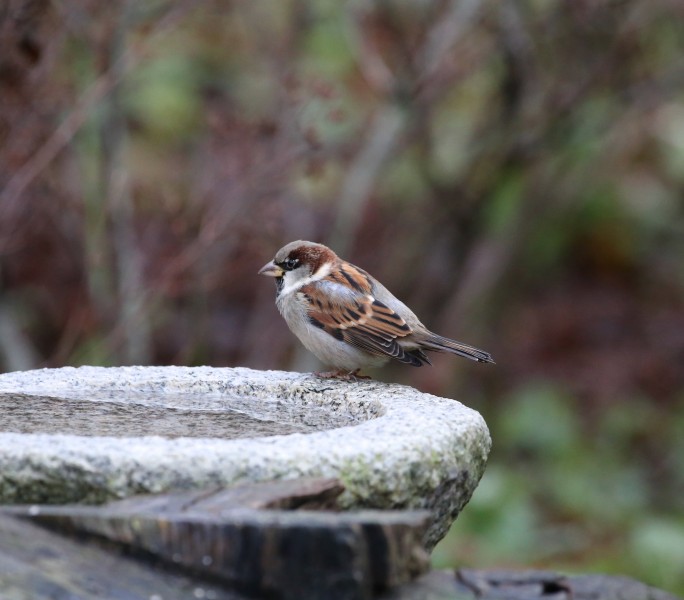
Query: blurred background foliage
(514,171)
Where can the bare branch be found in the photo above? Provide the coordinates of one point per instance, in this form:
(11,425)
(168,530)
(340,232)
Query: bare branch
(60,138)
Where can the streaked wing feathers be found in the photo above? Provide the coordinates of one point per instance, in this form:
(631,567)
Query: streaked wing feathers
(342,305)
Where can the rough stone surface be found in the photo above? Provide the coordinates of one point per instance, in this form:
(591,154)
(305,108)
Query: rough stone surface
(390,445)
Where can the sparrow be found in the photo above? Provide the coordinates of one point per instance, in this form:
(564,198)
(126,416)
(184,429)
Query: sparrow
(346,317)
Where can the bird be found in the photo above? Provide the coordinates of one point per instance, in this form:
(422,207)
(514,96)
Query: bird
(347,318)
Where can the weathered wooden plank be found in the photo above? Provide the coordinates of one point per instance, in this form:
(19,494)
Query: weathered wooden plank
(275,553)
(282,553)
(37,564)
(483,584)
(285,494)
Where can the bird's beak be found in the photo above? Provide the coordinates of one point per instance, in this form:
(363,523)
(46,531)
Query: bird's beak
(271,269)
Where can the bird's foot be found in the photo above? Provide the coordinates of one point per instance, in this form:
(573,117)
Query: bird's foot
(342,374)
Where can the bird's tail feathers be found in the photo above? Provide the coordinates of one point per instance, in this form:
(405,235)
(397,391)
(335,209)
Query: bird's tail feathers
(437,343)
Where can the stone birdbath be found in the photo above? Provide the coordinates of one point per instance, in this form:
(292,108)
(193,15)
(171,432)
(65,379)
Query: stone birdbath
(92,435)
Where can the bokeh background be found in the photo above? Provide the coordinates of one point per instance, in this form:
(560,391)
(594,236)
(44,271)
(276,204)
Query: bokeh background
(513,170)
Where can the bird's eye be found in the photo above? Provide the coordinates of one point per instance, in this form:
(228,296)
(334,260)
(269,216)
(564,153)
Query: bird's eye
(290,264)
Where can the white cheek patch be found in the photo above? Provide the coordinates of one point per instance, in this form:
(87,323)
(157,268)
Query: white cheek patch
(289,285)
(292,281)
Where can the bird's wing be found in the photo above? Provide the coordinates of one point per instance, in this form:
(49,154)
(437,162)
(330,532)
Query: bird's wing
(342,305)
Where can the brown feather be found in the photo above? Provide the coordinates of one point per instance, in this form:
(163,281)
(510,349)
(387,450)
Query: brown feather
(359,319)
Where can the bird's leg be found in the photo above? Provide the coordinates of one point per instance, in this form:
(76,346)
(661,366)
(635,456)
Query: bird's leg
(337,374)
(355,375)
(342,374)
